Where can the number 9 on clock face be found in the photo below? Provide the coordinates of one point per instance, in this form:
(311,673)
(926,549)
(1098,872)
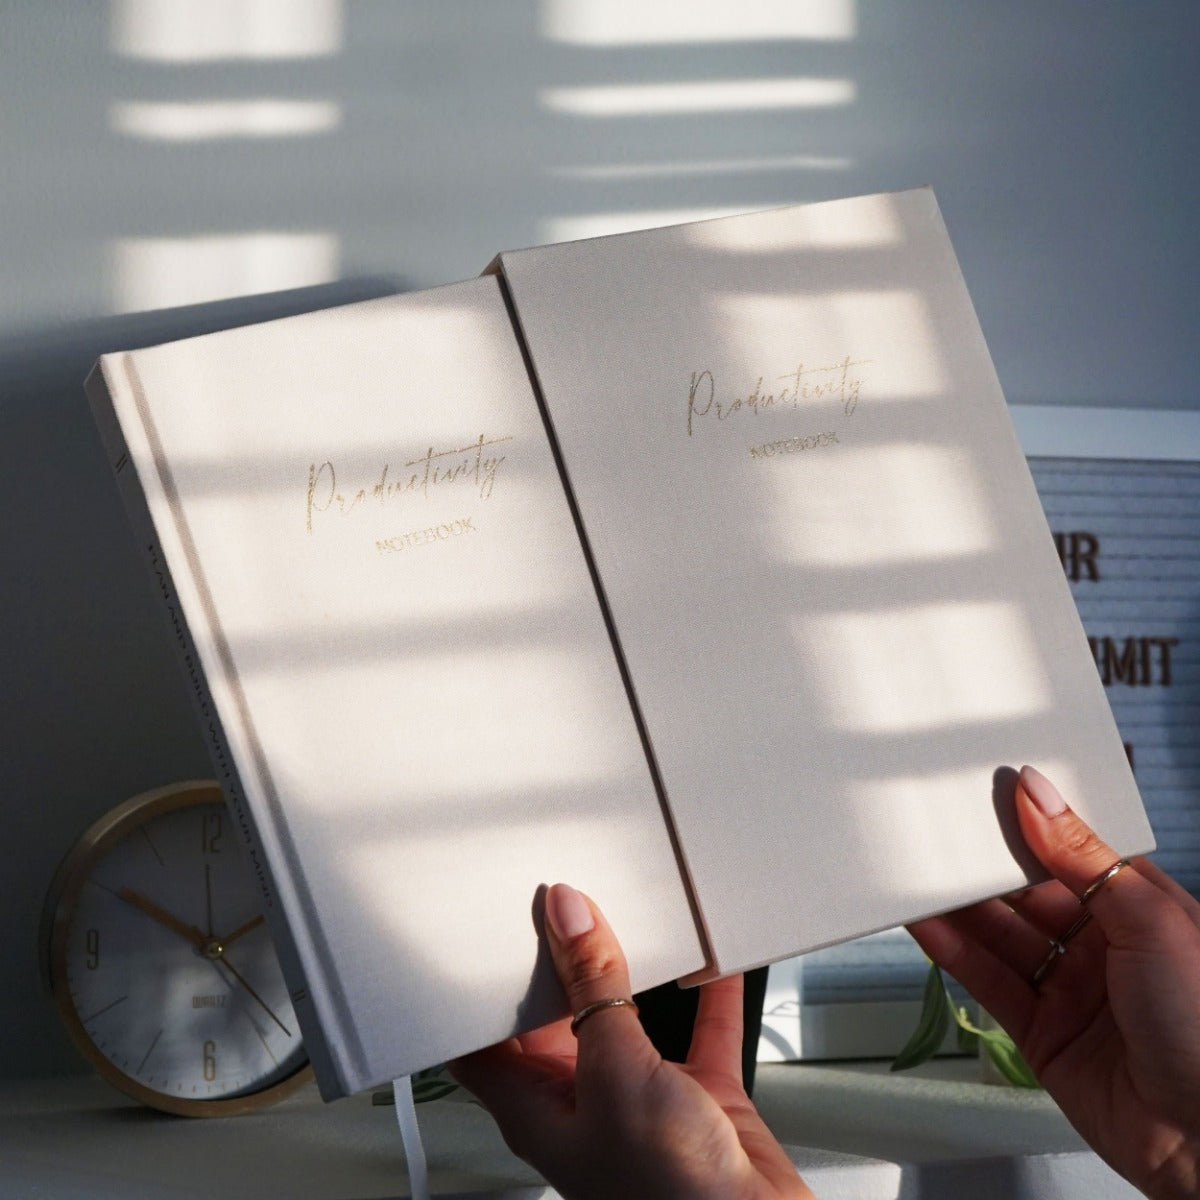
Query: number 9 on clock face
(160,961)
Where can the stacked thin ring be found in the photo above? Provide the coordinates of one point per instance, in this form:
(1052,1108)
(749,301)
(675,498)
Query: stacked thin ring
(598,1006)
(1059,947)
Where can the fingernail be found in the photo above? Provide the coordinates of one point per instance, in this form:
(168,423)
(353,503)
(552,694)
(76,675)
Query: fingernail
(1042,792)
(568,912)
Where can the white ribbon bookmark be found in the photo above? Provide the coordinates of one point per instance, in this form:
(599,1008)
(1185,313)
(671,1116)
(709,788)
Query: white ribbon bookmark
(410,1135)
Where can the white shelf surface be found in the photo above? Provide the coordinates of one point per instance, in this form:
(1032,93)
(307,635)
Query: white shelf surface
(854,1131)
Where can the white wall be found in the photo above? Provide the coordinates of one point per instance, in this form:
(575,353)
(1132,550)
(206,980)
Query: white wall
(167,153)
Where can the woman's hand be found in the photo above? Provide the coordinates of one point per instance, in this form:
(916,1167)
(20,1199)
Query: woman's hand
(1112,1030)
(602,1114)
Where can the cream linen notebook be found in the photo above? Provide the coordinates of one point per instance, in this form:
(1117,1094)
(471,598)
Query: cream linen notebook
(393,622)
(831,621)
(831,578)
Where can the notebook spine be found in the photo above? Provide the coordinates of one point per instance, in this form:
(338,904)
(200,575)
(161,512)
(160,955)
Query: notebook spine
(100,389)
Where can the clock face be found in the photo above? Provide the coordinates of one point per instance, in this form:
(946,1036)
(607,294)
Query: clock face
(162,964)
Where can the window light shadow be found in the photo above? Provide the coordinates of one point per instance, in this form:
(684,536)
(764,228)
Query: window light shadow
(168,272)
(176,31)
(628,22)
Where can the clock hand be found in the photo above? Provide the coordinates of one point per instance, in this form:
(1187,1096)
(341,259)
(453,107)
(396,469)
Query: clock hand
(242,929)
(219,957)
(208,896)
(212,948)
(188,932)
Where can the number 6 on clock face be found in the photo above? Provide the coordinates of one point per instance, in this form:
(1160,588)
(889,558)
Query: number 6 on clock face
(161,964)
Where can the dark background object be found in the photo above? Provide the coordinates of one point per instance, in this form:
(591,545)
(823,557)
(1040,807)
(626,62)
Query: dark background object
(668,1013)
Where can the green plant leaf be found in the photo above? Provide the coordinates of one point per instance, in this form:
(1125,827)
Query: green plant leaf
(432,1084)
(433,1089)
(965,1036)
(1007,1058)
(1001,1049)
(963,1020)
(937,1011)
(932,1027)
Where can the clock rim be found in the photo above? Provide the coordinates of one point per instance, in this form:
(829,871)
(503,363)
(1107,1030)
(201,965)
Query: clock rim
(61,899)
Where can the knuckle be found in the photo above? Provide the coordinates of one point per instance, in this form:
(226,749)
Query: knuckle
(1080,842)
(587,970)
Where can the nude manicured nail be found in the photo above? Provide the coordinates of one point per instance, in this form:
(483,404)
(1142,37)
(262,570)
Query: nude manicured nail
(568,912)
(1042,792)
